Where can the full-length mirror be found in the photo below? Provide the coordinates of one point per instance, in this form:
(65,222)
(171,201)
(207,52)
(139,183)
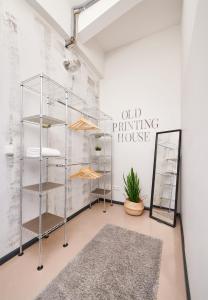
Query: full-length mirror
(166,177)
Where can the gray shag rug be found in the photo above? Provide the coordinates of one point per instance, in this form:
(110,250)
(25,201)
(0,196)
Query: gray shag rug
(116,264)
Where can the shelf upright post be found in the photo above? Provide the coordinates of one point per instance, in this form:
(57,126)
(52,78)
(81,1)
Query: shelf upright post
(90,156)
(40,266)
(111,162)
(47,165)
(66,167)
(47,138)
(98,162)
(21,168)
(104,177)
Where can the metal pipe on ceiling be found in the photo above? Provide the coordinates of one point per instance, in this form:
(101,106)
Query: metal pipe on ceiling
(76,10)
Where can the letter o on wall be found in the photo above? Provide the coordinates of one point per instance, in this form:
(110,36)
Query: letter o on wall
(125,114)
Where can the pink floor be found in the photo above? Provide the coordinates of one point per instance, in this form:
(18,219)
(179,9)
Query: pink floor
(19,279)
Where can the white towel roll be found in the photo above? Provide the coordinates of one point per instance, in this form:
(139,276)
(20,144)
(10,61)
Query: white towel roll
(47,152)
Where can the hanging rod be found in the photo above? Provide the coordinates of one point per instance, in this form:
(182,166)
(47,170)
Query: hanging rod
(69,165)
(77,110)
(83,113)
(76,10)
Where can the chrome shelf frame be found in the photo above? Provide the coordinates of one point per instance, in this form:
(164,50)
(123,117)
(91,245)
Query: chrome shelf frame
(49,91)
(38,84)
(102,160)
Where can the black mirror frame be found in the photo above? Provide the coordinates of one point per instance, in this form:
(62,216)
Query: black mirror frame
(177,179)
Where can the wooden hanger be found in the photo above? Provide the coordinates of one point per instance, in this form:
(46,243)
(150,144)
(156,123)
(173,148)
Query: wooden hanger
(83,124)
(86,173)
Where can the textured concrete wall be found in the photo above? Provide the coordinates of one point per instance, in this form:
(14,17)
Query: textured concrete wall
(30,46)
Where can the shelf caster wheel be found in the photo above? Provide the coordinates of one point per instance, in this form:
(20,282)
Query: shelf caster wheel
(20,254)
(46,236)
(111,204)
(65,245)
(104,211)
(39,268)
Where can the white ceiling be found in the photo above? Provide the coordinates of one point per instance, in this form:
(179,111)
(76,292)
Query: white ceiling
(146,18)
(76,2)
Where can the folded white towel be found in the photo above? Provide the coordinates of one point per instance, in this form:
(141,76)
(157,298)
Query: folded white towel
(35,152)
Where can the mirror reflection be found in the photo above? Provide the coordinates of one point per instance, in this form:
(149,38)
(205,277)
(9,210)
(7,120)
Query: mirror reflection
(165,177)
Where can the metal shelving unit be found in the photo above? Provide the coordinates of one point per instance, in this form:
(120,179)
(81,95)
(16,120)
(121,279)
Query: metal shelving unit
(101,163)
(98,117)
(47,91)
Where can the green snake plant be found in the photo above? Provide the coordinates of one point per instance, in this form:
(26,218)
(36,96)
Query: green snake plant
(131,185)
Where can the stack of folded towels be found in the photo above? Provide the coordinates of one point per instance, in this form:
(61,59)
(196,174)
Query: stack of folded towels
(35,152)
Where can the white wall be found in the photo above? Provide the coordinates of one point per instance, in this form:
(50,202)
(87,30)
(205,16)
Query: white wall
(195,152)
(188,19)
(145,75)
(93,54)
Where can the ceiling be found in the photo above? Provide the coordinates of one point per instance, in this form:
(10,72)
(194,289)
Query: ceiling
(76,2)
(146,18)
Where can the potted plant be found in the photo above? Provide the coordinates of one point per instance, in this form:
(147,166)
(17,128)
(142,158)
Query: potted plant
(97,150)
(133,205)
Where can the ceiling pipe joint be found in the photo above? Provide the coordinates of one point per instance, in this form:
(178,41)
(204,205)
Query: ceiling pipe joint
(75,14)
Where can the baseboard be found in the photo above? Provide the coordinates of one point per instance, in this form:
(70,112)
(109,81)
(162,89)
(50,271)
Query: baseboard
(17,250)
(188,293)
(35,240)
(121,203)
